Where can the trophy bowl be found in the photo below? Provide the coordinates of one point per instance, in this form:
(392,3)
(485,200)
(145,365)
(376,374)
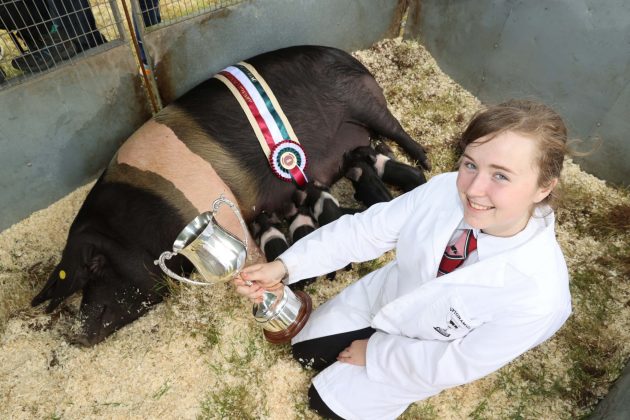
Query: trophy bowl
(218,256)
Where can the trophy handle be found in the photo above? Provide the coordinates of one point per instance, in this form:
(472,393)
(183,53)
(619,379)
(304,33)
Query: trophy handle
(167,255)
(222,200)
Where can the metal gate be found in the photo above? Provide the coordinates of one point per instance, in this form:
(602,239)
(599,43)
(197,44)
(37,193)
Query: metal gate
(39,36)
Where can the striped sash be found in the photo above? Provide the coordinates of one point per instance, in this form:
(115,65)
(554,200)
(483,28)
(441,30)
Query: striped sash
(272,128)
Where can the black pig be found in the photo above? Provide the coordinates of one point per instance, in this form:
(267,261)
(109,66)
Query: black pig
(195,149)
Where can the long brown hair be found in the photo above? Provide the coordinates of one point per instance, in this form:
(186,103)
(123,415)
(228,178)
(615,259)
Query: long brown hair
(530,119)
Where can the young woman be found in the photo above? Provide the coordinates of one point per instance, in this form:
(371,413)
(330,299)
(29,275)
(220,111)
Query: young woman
(477,280)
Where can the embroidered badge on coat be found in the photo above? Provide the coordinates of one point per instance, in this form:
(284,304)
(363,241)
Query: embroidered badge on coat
(453,322)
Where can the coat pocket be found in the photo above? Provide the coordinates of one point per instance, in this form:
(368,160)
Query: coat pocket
(446,319)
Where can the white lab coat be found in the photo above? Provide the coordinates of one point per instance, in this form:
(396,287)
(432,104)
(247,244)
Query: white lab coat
(432,333)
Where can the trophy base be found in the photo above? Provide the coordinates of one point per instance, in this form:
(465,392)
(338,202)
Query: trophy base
(284,336)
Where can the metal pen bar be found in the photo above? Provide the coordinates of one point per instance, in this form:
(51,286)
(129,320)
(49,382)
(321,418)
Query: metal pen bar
(143,70)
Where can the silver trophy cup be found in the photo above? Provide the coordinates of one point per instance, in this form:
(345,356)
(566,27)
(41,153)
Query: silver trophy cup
(219,256)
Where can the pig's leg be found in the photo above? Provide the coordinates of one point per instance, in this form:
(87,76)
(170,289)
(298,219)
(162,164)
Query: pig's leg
(371,110)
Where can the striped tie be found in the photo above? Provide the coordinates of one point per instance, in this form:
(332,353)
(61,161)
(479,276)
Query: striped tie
(456,254)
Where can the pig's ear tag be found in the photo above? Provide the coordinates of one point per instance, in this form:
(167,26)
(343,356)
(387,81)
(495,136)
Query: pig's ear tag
(288,162)
(62,274)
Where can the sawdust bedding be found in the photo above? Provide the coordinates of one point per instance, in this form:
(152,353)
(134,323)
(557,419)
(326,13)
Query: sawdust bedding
(199,354)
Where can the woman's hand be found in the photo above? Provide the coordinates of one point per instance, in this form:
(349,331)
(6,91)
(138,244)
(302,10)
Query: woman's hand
(255,279)
(354,353)
(252,291)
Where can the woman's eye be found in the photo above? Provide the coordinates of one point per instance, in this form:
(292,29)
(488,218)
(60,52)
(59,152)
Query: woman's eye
(501,177)
(469,165)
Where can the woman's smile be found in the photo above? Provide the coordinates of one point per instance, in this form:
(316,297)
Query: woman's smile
(477,206)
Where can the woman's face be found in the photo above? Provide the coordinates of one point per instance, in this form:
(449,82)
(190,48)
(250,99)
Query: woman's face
(498,183)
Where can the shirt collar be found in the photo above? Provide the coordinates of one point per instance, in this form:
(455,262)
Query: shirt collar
(489,246)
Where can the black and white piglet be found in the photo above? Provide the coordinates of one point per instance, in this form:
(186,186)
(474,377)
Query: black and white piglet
(393,172)
(270,239)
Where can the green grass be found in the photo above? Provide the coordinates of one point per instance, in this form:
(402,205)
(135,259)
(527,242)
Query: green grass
(212,336)
(163,390)
(367,267)
(229,402)
(420,411)
(237,379)
(480,412)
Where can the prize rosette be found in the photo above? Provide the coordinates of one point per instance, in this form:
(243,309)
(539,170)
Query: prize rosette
(288,162)
(271,126)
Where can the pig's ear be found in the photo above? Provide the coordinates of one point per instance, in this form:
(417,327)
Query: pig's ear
(97,263)
(312,194)
(354,173)
(93,260)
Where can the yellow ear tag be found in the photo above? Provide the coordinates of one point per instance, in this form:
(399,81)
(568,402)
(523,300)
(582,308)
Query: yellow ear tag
(62,274)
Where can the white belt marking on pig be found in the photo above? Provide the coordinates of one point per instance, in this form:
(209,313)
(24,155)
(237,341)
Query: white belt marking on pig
(318,208)
(300,220)
(380,164)
(270,234)
(156,148)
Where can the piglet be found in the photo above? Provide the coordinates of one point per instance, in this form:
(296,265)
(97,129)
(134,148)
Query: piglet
(301,225)
(368,187)
(272,241)
(324,206)
(401,175)
(393,172)
(325,209)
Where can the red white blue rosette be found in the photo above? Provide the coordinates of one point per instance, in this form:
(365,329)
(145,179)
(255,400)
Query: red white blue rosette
(288,162)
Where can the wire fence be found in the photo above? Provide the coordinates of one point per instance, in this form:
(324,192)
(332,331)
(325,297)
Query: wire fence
(37,36)
(173,11)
